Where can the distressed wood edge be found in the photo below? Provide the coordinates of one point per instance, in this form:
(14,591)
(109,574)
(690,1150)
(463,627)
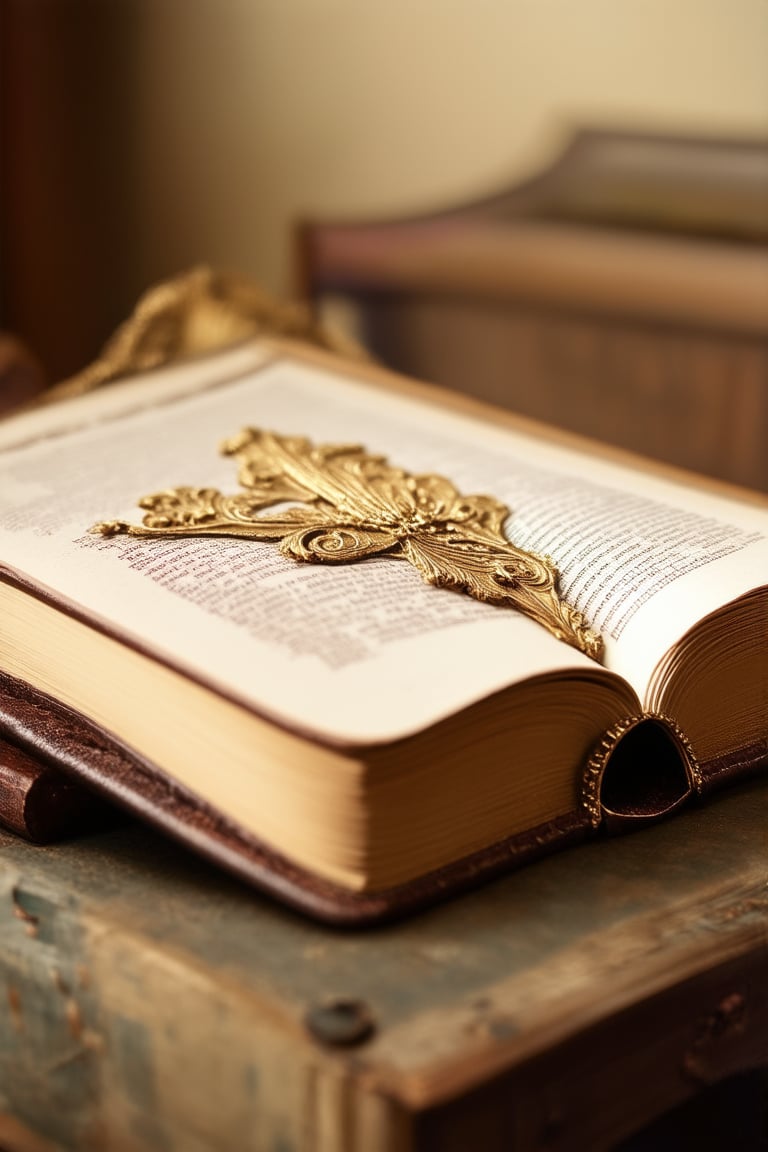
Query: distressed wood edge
(735,927)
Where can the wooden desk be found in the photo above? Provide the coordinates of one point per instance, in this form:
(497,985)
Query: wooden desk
(150,1002)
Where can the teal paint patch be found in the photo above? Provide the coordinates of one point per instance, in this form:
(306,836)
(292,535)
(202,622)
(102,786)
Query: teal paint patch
(37,911)
(49,1039)
(131,1049)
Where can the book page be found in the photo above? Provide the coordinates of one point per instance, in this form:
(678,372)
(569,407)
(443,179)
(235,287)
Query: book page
(364,652)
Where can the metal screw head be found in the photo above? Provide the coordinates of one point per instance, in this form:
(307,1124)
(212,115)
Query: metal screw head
(340,1023)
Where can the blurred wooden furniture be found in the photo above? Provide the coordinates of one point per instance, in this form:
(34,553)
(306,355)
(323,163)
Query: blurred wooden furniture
(68,227)
(622,294)
(149,1001)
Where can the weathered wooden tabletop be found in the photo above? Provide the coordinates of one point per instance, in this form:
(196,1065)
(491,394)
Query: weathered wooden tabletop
(150,1002)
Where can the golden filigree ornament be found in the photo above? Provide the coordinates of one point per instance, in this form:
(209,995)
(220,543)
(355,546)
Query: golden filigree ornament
(347,505)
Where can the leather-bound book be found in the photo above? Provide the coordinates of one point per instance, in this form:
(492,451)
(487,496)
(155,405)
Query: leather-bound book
(362,641)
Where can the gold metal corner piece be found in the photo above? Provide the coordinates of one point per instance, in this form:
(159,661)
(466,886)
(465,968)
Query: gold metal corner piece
(347,505)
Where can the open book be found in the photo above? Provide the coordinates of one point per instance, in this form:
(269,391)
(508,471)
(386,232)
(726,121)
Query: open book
(347,736)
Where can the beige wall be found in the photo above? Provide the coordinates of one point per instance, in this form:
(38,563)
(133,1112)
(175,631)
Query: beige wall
(253,112)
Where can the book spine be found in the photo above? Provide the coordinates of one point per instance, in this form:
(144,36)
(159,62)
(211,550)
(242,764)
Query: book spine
(643,768)
(40,803)
(21,780)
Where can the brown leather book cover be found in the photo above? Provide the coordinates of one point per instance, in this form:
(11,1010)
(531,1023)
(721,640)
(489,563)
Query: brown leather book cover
(57,769)
(45,734)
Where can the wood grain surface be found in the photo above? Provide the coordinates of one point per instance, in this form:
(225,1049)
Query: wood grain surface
(151,1003)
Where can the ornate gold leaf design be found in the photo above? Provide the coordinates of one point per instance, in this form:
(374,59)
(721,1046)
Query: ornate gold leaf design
(346,504)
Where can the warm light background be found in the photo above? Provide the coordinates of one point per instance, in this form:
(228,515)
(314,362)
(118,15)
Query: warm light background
(253,112)
(139,137)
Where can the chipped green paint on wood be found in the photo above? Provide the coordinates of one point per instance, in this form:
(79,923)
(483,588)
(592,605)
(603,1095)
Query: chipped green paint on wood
(48,1041)
(152,1003)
